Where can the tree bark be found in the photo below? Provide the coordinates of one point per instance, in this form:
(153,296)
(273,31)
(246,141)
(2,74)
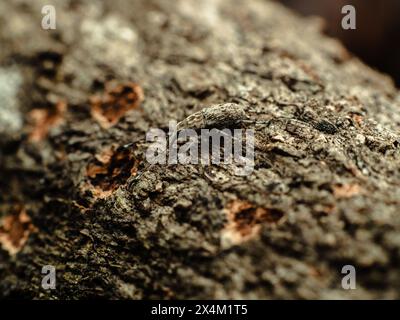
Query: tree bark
(318,199)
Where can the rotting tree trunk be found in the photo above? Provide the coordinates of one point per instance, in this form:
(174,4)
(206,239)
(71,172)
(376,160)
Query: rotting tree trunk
(316,201)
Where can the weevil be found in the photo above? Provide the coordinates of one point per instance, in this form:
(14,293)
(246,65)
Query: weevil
(325,126)
(228,115)
(217,116)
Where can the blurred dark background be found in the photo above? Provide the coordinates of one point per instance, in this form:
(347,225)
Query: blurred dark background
(377,37)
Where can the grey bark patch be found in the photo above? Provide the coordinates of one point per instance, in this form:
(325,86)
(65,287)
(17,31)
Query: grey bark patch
(10,115)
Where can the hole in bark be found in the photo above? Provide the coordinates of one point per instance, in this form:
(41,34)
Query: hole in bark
(111,169)
(245,220)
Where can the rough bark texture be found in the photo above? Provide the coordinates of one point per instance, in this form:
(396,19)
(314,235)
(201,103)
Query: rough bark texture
(318,198)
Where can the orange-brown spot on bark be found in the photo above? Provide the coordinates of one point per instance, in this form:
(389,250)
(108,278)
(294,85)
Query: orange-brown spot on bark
(108,108)
(43,120)
(15,229)
(245,220)
(358,118)
(109,170)
(346,190)
(314,272)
